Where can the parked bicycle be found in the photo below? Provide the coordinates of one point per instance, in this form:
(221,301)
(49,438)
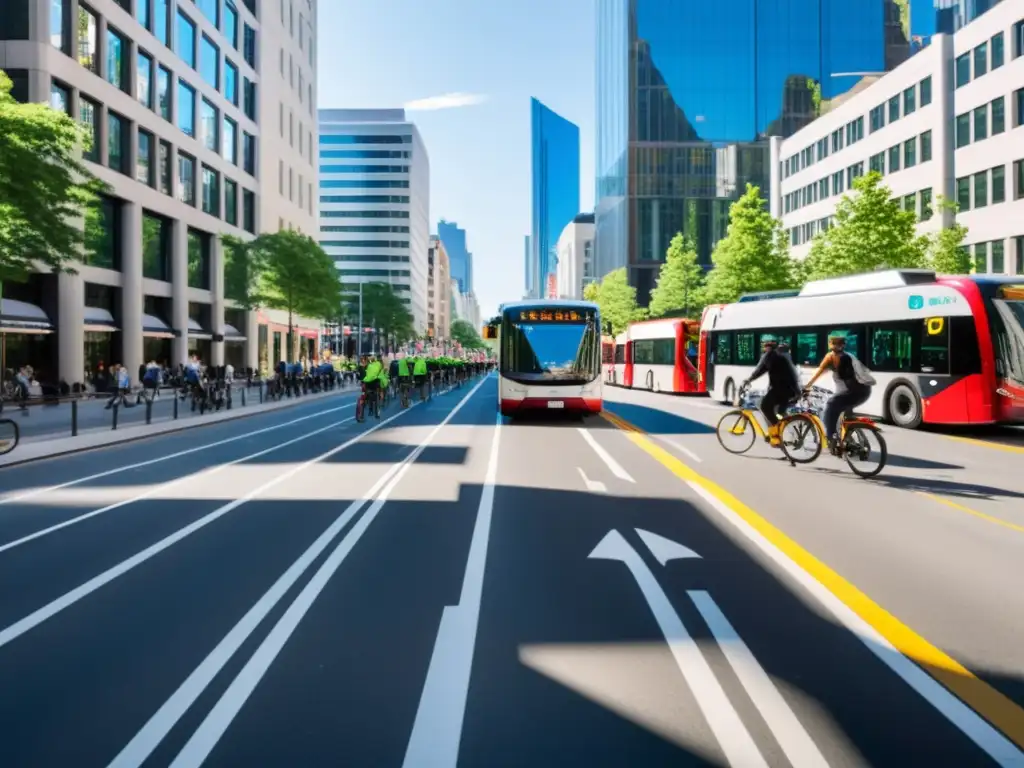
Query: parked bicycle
(9,436)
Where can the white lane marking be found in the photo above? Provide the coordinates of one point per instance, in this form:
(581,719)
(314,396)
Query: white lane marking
(680,447)
(794,740)
(997,746)
(210,731)
(613,465)
(202,474)
(592,485)
(665,550)
(125,467)
(54,607)
(732,736)
(437,729)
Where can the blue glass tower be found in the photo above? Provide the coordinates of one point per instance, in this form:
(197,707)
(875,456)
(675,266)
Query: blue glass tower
(555,191)
(688,95)
(460,260)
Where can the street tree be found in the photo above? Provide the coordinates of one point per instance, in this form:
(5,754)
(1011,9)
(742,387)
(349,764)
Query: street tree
(680,281)
(946,252)
(871,231)
(591,291)
(291,272)
(466,335)
(617,301)
(753,256)
(45,189)
(384,310)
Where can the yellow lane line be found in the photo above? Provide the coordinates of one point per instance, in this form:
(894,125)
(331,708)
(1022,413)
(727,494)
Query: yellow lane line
(987,444)
(969,511)
(999,710)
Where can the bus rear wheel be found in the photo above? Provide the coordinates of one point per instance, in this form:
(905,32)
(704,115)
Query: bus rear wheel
(904,407)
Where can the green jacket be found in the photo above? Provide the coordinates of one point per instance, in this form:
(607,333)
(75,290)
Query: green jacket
(373,371)
(419,367)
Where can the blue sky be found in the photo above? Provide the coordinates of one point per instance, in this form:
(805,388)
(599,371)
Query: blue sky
(388,53)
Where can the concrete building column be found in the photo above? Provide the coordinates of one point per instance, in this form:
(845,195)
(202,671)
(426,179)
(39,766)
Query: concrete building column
(70,327)
(131,288)
(775,177)
(179,291)
(943,150)
(252,340)
(217,299)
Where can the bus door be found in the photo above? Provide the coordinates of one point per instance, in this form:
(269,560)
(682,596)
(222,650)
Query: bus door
(705,364)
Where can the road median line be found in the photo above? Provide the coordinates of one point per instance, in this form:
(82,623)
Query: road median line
(967,510)
(1000,732)
(987,444)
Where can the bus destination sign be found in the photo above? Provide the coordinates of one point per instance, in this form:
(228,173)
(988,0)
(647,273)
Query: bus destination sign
(552,316)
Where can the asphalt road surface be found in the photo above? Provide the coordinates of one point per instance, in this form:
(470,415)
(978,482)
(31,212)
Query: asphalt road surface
(443,588)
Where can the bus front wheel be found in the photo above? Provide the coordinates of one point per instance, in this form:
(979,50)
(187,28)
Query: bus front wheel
(904,407)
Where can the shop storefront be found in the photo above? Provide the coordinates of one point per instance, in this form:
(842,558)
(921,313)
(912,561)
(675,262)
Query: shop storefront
(26,337)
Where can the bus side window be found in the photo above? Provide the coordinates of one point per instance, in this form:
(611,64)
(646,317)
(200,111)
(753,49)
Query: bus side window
(620,354)
(892,349)
(851,339)
(664,352)
(963,339)
(935,345)
(745,352)
(807,352)
(723,348)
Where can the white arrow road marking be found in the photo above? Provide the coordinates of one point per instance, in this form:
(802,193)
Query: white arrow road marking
(210,731)
(732,736)
(592,485)
(437,729)
(613,465)
(664,549)
(797,745)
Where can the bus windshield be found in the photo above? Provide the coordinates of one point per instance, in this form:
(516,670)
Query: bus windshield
(1008,338)
(536,347)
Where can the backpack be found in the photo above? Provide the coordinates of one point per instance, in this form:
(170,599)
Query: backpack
(861,372)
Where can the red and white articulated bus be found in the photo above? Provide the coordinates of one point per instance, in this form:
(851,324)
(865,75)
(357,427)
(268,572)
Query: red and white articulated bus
(943,349)
(659,356)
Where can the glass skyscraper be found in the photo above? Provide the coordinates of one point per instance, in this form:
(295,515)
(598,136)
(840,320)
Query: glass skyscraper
(555,192)
(460,260)
(688,94)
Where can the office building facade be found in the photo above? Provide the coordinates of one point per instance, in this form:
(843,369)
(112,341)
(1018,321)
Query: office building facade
(575,249)
(949,122)
(688,94)
(439,282)
(374,197)
(555,193)
(460,260)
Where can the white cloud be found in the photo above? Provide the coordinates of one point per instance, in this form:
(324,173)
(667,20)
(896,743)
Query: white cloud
(446,101)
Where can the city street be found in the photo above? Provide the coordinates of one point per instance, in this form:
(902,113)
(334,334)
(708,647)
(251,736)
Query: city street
(444,587)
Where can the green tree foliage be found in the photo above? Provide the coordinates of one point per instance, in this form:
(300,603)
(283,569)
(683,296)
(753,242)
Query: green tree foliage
(591,291)
(466,335)
(383,309)
(44,187)
(946,251)
(617,301)
(871,231)
(753,256)
(680,281)
(241,276)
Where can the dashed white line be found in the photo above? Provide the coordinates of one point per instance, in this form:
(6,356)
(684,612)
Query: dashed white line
(680,447)
(613,465)
(592,485)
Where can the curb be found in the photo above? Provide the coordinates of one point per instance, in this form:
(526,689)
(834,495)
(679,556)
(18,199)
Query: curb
(174,430)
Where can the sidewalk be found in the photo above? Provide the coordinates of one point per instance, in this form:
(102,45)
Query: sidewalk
(38,448)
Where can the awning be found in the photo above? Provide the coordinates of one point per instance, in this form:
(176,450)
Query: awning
(232,334)
(22,317)
(196,331)
(155,328)
(99,320)
(308,334)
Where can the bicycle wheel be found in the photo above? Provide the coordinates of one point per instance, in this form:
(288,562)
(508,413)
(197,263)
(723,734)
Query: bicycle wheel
(737,427)
(865,460)
(360,406)
(801,441)
(9,435)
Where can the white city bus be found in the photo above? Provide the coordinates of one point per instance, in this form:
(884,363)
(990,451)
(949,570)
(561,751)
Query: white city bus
(943,350)
(549,357)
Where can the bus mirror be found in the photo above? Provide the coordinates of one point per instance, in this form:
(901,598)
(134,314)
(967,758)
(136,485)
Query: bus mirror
(936,325)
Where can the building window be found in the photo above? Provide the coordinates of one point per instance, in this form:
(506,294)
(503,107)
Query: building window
(163,92)
(60,27)
(981,257)
(910,153)
(249,99)
(156,247)
(909,102)
(894,109)
(230,28)
(186,108)
(249,211)
(926,91)
(249,46)
(102,233)
(186,178)
(89,115)
(910,203)
(165,167)
(117,69)
(981,123)
(998,184)
(117,134)
(963,130)
(144,82)
(998,115)
(1018,180)
(198,259)
(925,204)
(144,159)
(209,122)
(1018,39)
(211,10)
(981,189)
(249,153)
(981,60)
(142,13)
(997,51)
(998,262)
(211,192)
(209,61)
(1018,98)
(963,70)
(877,118)
(161,20)
(230,82)
(60,97)
(963,193)
(877,163)
(894,159)
(186,39)
(230,141)
(926,146)
(231,202)
(88,39)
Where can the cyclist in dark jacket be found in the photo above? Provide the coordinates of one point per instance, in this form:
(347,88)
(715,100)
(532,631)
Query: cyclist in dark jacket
(783,386)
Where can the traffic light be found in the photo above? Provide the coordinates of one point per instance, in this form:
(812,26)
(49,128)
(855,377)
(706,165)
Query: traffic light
(490,332)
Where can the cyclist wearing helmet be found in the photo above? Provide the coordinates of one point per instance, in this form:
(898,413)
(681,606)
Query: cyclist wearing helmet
(850,391)
(783,386)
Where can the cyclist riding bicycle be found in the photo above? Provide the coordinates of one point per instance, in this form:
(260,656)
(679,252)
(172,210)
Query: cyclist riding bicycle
(372,376)
(419,372)
(783,386)
(852,386)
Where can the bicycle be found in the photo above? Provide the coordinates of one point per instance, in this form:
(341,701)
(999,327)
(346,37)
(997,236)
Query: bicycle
(362,402)
(9,436)
(403,393)
(801,427)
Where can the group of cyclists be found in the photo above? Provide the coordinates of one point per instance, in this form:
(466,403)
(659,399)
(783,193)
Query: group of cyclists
(407,375)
